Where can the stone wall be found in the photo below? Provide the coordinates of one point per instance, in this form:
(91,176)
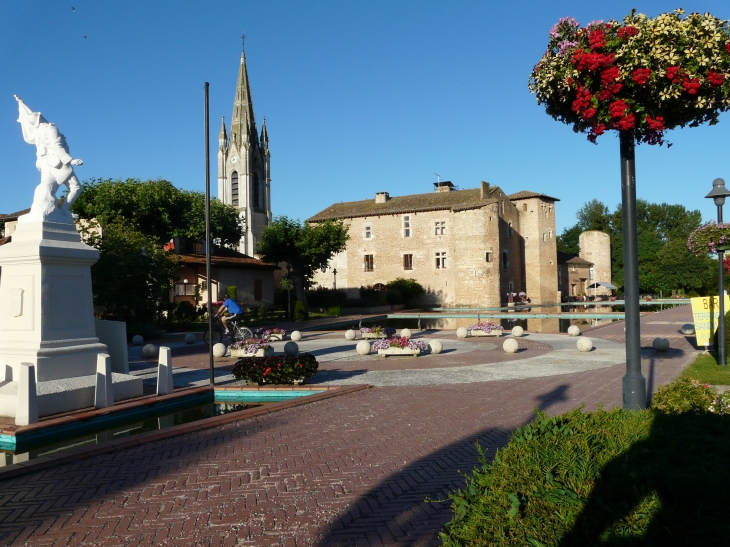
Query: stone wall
(537,225)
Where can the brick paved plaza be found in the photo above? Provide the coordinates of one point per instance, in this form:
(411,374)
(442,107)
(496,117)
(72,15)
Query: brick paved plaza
(349,470)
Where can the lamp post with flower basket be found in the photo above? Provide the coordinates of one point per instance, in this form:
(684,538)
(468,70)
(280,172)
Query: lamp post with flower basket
(640,77)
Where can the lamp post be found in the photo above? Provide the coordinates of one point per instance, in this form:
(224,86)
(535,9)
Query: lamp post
(334,282)
(718,194)
(288,291)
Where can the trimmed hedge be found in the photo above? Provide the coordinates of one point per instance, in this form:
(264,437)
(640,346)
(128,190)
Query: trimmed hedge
(277,369)
(604,478)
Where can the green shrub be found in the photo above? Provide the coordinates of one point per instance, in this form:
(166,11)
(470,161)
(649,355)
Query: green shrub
(410,290)
(370,297)
(393,296)
(335,310)
(692,294)
(684,395)
(325,298)
(276,369)
(300,312)
(231,291)
(183,312)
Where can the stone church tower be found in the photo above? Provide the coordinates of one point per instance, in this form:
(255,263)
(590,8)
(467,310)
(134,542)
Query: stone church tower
(244,176)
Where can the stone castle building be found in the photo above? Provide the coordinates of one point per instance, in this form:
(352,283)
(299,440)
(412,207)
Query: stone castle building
(244,175)
(593,264)
(465,247)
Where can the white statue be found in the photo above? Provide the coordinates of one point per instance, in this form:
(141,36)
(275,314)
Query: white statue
(54,163)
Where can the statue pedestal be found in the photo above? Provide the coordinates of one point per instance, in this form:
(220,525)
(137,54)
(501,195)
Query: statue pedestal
(47,314)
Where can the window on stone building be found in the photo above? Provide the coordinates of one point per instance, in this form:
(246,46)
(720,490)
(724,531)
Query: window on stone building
(560,277)
(550,234)
(258,290)
(524,206)
(369,263)
(368,232)
(440,227)
(489,256)
(502,206)
(591,273)
(505,259)
(511,286)
(234,188)
(406,225)
(510,229)
(256,191)
(184,289)
(440,260)
(544,237)
(407,262)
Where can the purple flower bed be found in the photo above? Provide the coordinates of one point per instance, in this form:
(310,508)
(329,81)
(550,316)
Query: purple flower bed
(381,331)
(486,327)
(251,345)
(266,333)
(398,342)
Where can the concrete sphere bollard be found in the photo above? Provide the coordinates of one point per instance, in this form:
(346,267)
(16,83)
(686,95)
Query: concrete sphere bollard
(517,331)
(406,333)
(137,340)
(350,334)
(291,348)
(510,345)
(296,336)
(461,332)
(363,347)
(688,329)
(219,350)
(436,346)
(149,351)
(573,330)
(190,338)
(585,344)
(660,344)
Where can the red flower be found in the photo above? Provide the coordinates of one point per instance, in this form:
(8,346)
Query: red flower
(596,38)
(591,61)
(641,75)
(618,108)
(268,369)
(657,124)
(599,130)
(674,73)
(588,113)
(715,78)
(570,81)
(610,75)
(626,32)
(609,91)
(627,122)
(727,47)
(582,99)
(691,85)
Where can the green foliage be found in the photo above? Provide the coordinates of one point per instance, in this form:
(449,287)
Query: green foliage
(705,370)
(231,291)
(407,290)
(133,274)
(157,209)
(601,478)
(183,312)
(325,298)
(682,396)
(300,311)
(277,369)
(334,311)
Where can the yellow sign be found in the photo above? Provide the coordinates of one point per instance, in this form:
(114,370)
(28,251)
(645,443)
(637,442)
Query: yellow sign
(706,311)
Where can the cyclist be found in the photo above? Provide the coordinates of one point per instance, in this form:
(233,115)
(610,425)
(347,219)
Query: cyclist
(232,307)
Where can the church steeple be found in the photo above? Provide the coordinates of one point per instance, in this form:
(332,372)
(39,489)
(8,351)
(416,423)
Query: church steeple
(264,140)
(222,136)
(243,124)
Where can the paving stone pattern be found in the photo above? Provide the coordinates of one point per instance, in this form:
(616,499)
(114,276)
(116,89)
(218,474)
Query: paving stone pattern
(352,470)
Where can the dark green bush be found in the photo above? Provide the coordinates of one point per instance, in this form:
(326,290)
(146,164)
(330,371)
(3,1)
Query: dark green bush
(300,312)
(278,369)
(393,296)
(231,291)
(183,312)
(683,395)
(335,310)
(326,298)
(410,290)
(371,297)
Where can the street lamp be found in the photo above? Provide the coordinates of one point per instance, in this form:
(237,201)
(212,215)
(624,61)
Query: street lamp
(334,283)
(718,194)
(288,291)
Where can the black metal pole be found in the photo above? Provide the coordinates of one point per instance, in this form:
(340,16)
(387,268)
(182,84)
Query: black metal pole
(634,384)
(721,332)
(207,237)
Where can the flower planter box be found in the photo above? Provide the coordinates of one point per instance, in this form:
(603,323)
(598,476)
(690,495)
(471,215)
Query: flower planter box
(260,353)
(276,337)
(483,333)
(371,336)
(399,351)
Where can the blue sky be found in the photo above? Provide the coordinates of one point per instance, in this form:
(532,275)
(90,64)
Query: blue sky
(359,97)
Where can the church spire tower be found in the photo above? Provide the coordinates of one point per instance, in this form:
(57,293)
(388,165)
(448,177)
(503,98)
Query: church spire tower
(243,165)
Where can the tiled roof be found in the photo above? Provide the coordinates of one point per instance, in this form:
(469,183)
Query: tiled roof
(242,261)
(457,200)
(526,194)
(575,260)
(14,216)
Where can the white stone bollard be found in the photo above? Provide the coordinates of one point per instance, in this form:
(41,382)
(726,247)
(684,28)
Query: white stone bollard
(149,351)
(661,344)
(219,350)
(363,347)
(517,331)
(436,346)
(406,333)
(165,382)
(190,338)
(104,394)
(461,332)
(291,349)
(510,345)
(350,334)
(688,329)
(296,336)
(585,344)
(573,330)
(137,340)
(26,406)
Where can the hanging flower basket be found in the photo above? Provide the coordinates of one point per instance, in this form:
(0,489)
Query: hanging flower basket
(642,76)
(709,238)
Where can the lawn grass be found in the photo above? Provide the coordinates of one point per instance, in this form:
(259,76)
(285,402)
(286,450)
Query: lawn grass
(706,370)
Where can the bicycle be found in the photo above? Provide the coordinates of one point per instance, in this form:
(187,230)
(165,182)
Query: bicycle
(238,332)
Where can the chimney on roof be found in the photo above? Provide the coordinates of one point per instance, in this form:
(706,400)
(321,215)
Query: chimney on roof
(381,197)
(443,186)
(485,190)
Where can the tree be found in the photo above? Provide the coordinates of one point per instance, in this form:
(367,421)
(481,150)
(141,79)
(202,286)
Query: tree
(133,274)
(307,247)
(594,215)
(158,209)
